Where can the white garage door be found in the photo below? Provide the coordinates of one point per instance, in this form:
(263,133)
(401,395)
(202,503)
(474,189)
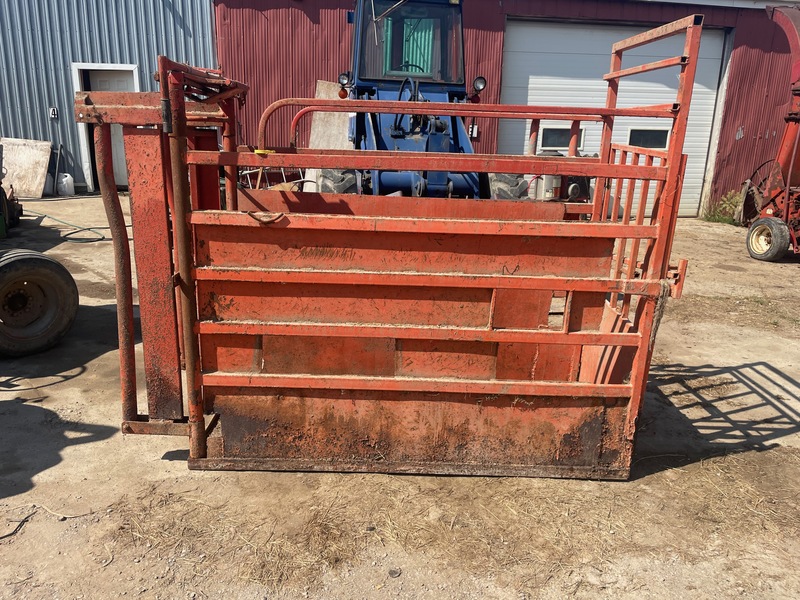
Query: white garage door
(563,64)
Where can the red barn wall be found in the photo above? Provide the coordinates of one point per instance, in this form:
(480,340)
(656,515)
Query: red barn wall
(757,99)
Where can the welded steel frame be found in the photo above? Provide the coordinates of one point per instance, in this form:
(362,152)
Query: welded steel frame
(638,281)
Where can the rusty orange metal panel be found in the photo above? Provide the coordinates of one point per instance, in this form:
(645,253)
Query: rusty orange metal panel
(403,433)
(445,358)
(332,356)
(284,248)
(150,221)
(388,206)
(445,307)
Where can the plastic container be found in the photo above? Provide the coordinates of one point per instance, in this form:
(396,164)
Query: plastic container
(65,185)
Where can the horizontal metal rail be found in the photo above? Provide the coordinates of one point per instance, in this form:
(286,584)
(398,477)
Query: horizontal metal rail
(647,67)
(434,161)
(460,334)
(570,229)
(418,384)
(641,150)
(405,278)
(456,110)
(659,33)
(508,114)
(138,109)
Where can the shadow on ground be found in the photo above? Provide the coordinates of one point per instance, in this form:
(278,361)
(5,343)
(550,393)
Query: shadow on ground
(31,441)
(694,412)
(32,437)
(40,232)
(93,334)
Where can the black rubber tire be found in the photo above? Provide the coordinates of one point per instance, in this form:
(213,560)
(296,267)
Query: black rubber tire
(334,181)
(768,239)
(38,302)
(506,186)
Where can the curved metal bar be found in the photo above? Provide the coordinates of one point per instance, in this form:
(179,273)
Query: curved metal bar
(504,114)
(122,267)
(455,110)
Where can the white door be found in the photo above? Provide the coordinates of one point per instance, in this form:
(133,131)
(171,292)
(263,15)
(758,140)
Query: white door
(114,81)
(563,64)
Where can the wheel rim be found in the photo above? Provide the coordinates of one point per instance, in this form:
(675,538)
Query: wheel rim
(28,307)
(761,239)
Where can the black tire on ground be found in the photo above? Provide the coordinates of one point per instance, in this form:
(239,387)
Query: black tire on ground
(334,181)
(768,239)
(38,302)
(506,186)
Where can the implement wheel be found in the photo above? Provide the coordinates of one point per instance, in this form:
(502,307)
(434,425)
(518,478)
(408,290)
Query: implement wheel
(334,181)
(507,186)
(38,302)
(768,239)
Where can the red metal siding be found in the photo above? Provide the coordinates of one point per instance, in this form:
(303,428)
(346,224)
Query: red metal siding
(281,48)
(483,55)
(756,101)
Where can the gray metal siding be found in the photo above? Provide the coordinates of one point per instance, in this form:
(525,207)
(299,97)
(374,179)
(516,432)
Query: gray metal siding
(40,39)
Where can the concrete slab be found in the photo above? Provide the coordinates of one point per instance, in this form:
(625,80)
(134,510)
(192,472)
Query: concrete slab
(25,164)
(328,130)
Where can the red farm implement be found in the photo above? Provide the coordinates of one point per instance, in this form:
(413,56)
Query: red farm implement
(349,332)
(771,197)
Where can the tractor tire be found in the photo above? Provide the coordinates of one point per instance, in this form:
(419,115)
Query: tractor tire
(334,181)
(38,302)
(768,239)
(505,186)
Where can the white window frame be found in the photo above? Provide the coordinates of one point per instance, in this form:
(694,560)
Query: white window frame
(650,128)
(581,138)
(83,128)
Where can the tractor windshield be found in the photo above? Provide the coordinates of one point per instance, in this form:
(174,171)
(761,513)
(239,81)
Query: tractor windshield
(412,39)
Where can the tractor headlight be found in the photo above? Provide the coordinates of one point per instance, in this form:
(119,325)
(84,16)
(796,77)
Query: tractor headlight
(344,78)
(479,84)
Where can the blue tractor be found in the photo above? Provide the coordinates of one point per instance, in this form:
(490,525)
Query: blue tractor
(412,50)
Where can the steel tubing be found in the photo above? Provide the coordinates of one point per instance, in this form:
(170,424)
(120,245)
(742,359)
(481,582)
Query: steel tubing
(122,268)
(183,244)
(456,110)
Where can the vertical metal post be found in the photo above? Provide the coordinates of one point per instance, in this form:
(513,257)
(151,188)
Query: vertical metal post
(670,198)
(122,267)
(534,137)
(229,145)
(574,135)
(605,140)
(184,246)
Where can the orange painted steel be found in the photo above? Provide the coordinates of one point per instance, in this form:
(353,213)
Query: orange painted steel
(422,335)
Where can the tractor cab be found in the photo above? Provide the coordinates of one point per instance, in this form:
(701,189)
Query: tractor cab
(408,50)
(411,43)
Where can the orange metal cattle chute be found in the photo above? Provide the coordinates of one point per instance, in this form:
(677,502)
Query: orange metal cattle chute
(393,334)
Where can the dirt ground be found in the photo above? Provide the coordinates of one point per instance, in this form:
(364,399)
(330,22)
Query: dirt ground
(712,509)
